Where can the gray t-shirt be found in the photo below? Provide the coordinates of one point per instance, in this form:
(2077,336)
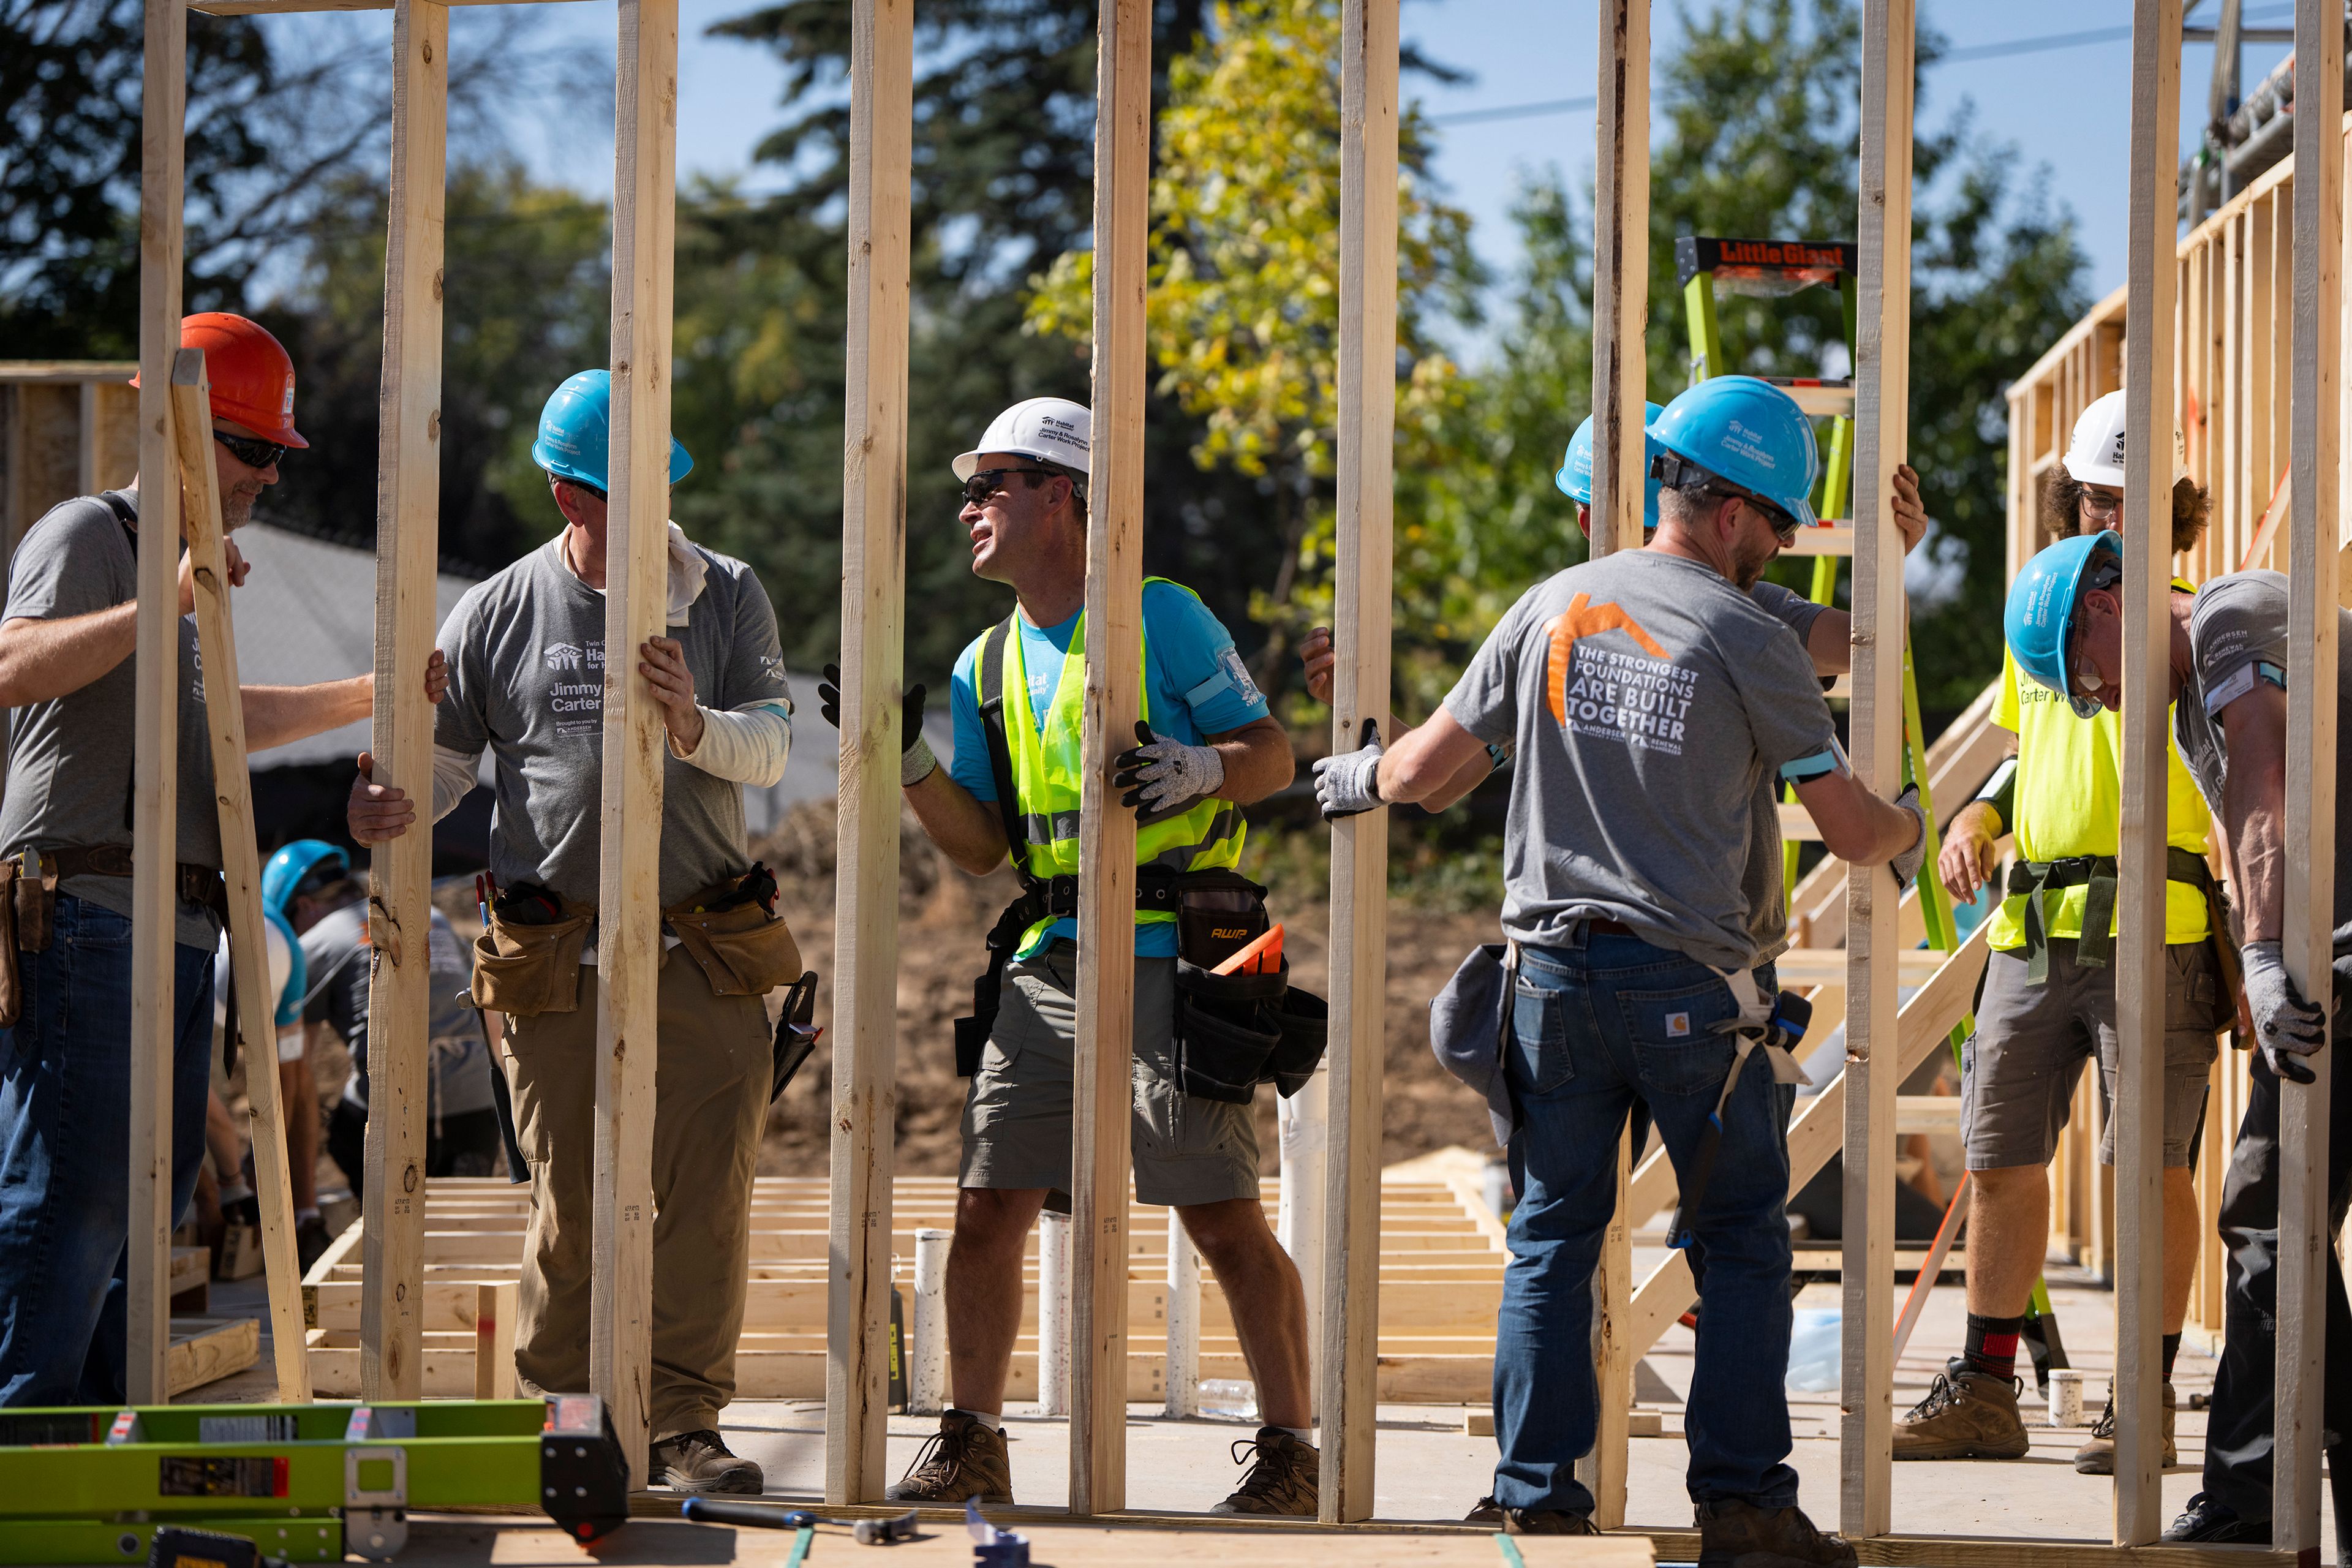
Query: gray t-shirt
(1651,702)
(2238,635)
(335,952)
(526,655)
(1767,886)
(70,759)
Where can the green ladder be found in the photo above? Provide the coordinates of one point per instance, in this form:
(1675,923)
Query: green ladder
(303,1482)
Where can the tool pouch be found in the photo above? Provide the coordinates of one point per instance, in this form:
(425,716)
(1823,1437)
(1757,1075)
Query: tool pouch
(1304,1021)
(1218,913)
(32,909)
(988,988)
(743,949)
(523,968)
(12,985)
(1228,1030)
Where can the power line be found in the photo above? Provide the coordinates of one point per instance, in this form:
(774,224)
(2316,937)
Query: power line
(2006,47)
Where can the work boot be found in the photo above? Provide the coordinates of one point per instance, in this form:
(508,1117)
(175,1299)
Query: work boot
(1282,1480)
(2215,1523)
(2097,1457)
(1530,1520)
(1735,1534)
(965,1462)
(700,1462)
(1967,1415)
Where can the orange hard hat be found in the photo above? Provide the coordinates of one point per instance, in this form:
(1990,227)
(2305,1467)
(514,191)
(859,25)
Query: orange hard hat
(251,373)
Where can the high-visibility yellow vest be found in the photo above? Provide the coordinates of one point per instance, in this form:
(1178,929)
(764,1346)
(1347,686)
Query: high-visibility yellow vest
(1045,783)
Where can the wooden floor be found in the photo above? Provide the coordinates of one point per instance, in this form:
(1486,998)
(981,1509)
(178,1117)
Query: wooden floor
(1442,1258)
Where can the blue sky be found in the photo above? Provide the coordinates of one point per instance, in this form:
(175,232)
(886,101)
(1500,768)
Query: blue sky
(2065,110)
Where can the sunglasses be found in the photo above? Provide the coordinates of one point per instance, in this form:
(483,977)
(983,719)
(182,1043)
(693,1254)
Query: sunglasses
(251,452)
(988,482)
(2086,680)
(1783,526)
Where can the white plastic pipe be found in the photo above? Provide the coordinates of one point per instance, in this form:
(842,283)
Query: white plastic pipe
(1054,1316)
(926,1359)
(1184,1380)
(1304,1122)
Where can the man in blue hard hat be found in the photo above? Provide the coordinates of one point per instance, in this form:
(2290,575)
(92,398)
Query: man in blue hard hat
(2047,1006)
(1826,631)
(1648,698)
(311,883)
(2226,667)
(527,679)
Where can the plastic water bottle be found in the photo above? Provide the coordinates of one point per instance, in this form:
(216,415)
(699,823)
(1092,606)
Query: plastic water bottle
(1814,1351)
(1229,1399)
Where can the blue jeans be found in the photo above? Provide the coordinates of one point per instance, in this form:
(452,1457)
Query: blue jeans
(1598,1026)
(65,1153)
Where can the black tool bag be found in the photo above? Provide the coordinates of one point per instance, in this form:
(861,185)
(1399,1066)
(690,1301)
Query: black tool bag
(1228,1030)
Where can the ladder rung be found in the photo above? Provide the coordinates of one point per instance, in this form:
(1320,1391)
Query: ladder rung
(1834,398)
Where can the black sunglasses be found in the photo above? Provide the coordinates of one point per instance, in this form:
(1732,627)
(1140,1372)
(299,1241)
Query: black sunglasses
(250,451)
(1783,526)
(988,482)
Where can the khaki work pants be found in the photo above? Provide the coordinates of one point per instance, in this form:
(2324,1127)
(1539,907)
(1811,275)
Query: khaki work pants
(711,1104)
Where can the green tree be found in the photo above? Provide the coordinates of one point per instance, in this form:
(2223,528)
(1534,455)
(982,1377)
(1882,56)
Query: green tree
(1243,305)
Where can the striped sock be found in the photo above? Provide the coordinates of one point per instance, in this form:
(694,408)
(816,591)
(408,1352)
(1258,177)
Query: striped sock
(1992,1345)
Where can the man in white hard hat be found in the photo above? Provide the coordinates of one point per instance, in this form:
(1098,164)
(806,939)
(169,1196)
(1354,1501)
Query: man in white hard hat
(2049,1002)
(1013,787)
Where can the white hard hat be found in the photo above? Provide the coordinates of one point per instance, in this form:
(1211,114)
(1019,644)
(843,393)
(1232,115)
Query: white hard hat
(2095,455)
(1050,429)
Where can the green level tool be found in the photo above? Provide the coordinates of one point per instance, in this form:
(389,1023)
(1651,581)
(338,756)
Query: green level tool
(307,1483)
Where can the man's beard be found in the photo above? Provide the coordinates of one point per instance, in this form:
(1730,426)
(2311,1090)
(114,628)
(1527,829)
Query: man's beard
(236,510)
(1749,571)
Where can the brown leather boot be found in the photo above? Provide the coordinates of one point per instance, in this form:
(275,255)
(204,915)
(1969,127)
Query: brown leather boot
(700,1462)
(1735,1534)
(965,1462)
(2097,1457)
(1967,1415)
(1284,1479)
(1530,1521)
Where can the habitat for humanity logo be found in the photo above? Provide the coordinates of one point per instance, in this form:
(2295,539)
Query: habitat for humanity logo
(578,705)
(1601,692)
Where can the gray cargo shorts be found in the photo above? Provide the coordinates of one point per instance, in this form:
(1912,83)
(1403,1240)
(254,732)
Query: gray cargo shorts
(1016,1115)
(2019,1070)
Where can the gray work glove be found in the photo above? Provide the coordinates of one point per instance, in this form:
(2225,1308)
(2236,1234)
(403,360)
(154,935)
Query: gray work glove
(1350,783)
(915,761)
(1906,865)
(2285,1025)
(1164,777)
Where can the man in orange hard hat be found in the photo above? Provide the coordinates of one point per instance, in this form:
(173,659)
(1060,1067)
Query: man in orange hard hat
(68,639)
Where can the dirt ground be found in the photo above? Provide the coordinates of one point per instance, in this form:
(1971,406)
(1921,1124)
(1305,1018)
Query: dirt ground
(943,915)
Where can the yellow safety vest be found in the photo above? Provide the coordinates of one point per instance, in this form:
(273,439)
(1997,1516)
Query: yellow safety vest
(1046,774)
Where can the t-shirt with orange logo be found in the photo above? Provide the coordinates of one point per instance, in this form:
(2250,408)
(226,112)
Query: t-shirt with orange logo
(1648,701)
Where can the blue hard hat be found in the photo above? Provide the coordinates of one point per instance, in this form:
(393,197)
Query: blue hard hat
(1575,475)
(2040,618)
(292,866)
(575,433)
(1748,432)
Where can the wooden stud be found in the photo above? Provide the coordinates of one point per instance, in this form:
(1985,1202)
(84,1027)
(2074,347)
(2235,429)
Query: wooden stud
(192,426)
(1621,282)
(628,892)
(1882,419)
(873,602)
(1114,637)
(1346,1362)
(2152,348)
(156,767)
(2314,442)
(408,536)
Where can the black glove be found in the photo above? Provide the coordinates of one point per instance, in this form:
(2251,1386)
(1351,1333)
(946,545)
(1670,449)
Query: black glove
(910,711)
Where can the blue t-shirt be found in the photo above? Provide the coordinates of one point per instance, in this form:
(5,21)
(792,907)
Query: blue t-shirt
(1196,681)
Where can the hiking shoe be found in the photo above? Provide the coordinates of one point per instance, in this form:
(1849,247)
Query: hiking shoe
(1967,1415)
(2097,1457)
(965,1462)
(700,1462)
(2217,1524)
(1735,1534)
(1281,1480)
(1530,1520)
